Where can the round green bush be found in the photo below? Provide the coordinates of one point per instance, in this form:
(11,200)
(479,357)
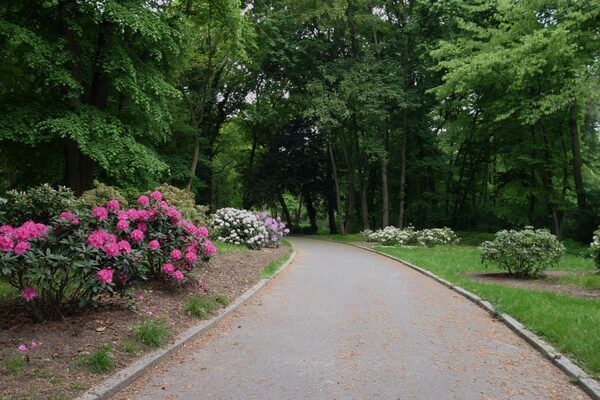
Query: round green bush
(523,253)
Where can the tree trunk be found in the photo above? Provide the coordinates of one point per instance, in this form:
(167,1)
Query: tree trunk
(338,199)
(547,181)
(385,196)
(350,173)
(79,168)
(312,213)
(364,207)
(577,175)
(195,157)
(286,211)
(247,198)
(403,170)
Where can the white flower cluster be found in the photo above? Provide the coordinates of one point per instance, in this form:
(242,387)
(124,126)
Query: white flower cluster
(409,236)
(596,247)
(240,227)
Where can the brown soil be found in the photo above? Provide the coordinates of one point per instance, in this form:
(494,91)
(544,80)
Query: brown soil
(548,282)
(54,370)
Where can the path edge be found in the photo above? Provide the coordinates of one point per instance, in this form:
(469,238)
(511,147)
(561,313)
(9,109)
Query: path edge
(127,375)
(588,384)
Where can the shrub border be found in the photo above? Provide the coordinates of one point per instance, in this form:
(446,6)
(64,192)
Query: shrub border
(588,384)
(127,375)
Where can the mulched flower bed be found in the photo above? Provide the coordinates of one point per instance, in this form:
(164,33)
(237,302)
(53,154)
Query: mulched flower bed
(55,368)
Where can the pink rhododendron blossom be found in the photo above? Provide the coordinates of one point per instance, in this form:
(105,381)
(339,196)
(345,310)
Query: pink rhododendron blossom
(168,268)
(143,200)
(100,212)
(6,243)
(123,215)
(173,214)
(22,347)
(178,275)
(137,235)
(156,195)
(105,275)
(123,225)
(6,229)
(176,254)
(191,257)
(113,205)
(22,247)
(153,245)
(28,294)
(142,226)
(209,248)
(75,221)
(111,249)
(124,246)
(33,345)
(97,238)
(164,205)
(66,216)
(133,214)
(203,232)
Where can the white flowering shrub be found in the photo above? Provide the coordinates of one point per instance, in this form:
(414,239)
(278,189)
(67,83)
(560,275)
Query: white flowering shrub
(409,236)
(524,253)
(596,248)
(240,227)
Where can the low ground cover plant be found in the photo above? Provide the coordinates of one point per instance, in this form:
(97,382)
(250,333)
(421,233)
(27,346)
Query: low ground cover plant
(255,231)
(524,253)
(85,252)
(409,236)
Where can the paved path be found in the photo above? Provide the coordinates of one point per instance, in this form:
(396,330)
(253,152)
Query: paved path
(343,323)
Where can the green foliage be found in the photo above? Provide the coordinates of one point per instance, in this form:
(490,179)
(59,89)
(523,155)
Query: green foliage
(15,364)
(101,194)
(200,306)
(152,332)
(525,253)
(101,360)
(129,346)
(184,201)
(40,204)
(222,299)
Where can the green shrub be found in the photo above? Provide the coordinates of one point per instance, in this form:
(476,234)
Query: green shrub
(200,306)
(101,194)
(524,253)
(596,248)
(185,202)
(40,204)
(101,360)
(222,299)
(152,332)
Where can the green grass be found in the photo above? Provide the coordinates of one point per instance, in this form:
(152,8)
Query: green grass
(569,323)
(273,266)
(224,248)
(588,280)
(100,361)
(129,346)
(152,332)
(200,306)
(222,299)
(473,238)
(15,364)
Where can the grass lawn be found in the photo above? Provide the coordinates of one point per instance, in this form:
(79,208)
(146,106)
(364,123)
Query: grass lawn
(570,323)
(273,266)
(224,248)
(7,292)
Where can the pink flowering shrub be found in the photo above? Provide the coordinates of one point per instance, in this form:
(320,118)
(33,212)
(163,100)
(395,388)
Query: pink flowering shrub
(85,252)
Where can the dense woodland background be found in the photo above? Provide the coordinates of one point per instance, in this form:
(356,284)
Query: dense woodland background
(339,114)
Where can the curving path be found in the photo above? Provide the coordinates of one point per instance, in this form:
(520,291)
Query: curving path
(343,323)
